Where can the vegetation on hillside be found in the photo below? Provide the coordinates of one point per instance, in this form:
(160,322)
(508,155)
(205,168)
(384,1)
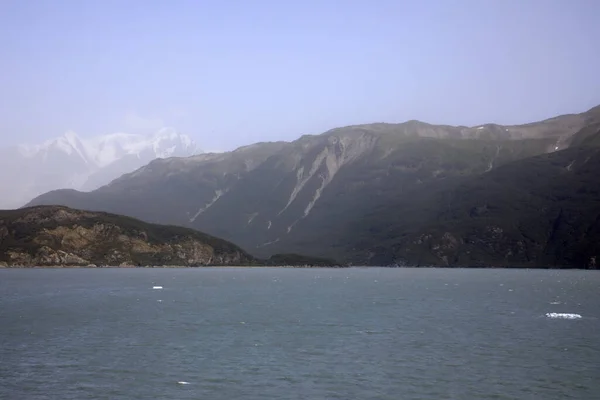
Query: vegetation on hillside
(543,211)
(60,236)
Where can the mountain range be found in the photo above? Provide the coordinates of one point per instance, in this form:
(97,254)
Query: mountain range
(386,194)
(71,162)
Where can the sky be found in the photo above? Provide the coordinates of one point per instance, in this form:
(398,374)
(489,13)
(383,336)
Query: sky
(231,73)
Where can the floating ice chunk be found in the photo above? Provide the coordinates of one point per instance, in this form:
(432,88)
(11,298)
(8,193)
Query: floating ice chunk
(183,383)
(157,287)
(555,302)
(563,315)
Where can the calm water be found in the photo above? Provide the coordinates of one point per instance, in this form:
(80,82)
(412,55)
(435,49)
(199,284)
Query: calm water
(298,334)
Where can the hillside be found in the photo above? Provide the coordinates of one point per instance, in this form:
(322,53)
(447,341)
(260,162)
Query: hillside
(359,193)
(542,211)
(49,236)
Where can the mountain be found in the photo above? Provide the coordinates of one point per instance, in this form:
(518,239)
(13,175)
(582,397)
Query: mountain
(539,211)
(58,236)
(381,194)
(84,164)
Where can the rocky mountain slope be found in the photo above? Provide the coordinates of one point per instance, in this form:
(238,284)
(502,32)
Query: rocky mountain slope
(539,211)
(59,236)
(85,164)
(365,193)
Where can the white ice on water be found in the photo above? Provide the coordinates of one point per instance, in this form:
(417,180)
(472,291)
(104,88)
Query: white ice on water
(563,315)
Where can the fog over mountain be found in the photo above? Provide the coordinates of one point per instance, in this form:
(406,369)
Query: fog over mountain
(73,162)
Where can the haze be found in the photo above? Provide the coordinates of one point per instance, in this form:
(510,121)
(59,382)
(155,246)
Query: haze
(233,73)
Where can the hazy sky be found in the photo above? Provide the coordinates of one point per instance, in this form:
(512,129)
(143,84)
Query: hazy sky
(234,72)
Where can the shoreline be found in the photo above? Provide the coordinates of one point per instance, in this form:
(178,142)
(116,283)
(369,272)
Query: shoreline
(165,266)
(286,266)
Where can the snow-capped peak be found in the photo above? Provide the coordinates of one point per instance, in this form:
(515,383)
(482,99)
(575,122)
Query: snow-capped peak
(68,143)
(167,141)
(71,137)
(73,162)
(168,133)
(104,150)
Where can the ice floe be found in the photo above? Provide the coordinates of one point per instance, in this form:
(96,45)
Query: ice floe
(563,315)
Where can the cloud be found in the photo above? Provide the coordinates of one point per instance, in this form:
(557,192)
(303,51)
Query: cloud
(135,122)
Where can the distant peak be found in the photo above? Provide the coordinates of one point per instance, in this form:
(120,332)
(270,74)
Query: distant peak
(167,132)
(71,135)
(103,150)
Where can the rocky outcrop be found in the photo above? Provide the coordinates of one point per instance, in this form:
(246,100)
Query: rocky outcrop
(58,236)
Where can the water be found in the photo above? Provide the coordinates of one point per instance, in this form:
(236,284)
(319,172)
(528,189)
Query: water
(298,334)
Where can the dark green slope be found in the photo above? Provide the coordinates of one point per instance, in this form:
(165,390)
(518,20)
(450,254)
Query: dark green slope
(392,172)
(541,211)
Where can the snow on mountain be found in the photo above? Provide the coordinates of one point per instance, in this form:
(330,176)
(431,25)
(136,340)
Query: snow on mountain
(71,162)
(106,149)
(69,143)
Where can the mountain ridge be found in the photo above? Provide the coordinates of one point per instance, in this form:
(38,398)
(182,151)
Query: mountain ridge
(303,196)
(101,150)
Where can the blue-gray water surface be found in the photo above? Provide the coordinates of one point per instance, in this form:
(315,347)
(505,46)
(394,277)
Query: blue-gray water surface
(270,333)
